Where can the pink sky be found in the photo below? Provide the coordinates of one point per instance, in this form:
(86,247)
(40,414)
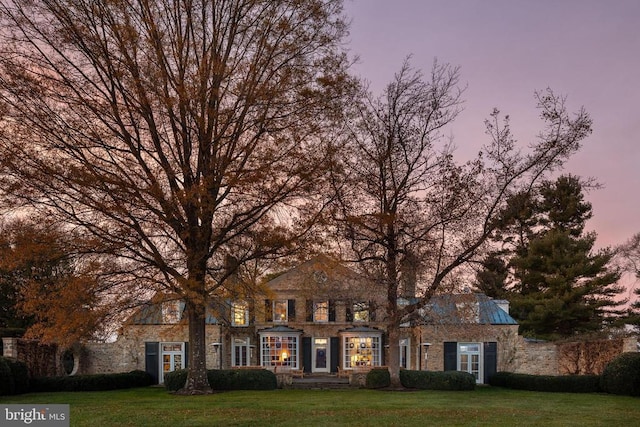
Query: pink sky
(588,50)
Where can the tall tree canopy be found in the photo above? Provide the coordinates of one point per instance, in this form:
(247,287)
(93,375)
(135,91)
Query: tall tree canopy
(559,285)
(413,215)
(628,255)
(175,133)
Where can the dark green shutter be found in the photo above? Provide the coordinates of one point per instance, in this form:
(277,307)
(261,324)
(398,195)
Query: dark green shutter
(332,311)
(450,356)
(309,309)
(335,353)
(268,311)
(186,354)
(152,359)
(349,314)
(306,354)
(291,308)
(490,360)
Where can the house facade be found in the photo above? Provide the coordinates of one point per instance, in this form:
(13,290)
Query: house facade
(320,318)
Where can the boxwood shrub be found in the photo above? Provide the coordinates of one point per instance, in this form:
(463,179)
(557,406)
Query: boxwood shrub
(14,377)
(622,375)
(98,382)
(436,380)
(378,378)
(227,379)
(547,383)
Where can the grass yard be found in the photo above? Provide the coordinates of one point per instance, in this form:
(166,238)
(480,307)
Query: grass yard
(485,406)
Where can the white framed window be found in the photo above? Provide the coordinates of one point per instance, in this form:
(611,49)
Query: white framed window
(241,352)
(405,353)
(361,312)
(172,312)
(469,359)
(172,356)
(280,311)
(321,311)
(361,350)
(239,313)
(279,350)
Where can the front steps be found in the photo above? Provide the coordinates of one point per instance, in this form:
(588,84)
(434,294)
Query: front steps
(320,382)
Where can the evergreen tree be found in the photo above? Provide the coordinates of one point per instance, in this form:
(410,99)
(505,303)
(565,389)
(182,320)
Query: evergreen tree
(561,286)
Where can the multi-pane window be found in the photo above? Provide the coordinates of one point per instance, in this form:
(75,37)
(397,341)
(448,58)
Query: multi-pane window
(240,352)
(361,351)
(469,359)
(239,313)
(279,350)
(172,358)
(361,312)
(171,312)
(321,311)
(280,310)
(404,353)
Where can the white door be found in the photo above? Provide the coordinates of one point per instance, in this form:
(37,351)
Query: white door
(172,358)
(320,355)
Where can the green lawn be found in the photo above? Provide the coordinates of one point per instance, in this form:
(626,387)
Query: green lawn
(484,406)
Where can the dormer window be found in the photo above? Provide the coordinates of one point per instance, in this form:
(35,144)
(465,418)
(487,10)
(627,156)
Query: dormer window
(171,312)
(239,313)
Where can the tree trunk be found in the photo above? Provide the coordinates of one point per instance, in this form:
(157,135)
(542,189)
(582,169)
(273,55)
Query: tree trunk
(197,382)
(394,355)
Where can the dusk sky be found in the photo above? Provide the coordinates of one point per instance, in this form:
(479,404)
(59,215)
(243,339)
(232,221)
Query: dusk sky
(588,50)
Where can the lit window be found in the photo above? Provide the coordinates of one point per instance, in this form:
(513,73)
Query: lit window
(239,313)
(321,311)
(280,310)
(279,350)
(172,358)
(404,353)
(360,312)
(361,351)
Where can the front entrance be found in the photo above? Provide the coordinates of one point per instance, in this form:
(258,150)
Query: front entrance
(320,355)
(172,358)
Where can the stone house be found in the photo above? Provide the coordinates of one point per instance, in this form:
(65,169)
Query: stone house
(319,317)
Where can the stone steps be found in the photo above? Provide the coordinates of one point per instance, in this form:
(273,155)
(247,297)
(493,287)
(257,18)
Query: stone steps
(320,382)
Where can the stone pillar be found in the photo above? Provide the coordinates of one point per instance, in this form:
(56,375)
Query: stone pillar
(10,347)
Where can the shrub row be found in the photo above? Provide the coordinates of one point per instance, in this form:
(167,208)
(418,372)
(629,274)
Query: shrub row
(433,380)
(98,382)
(14,377)
(547,383)
(227,379)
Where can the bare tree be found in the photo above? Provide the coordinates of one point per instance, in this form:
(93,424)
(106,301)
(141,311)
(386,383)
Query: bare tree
(175,133)
(409,211)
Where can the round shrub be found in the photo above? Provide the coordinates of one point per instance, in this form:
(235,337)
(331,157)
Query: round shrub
(175,380)
(622,375)
(378,378)
(436,380)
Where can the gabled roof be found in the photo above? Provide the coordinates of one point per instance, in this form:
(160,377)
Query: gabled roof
(465,308)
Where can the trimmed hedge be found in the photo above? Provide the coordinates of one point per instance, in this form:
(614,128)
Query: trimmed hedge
(435,380)
(547,383)
(378,378)
(14,377)
(98,382)
(622,375)
(226,379)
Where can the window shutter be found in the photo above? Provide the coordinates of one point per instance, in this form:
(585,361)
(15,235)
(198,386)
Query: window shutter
(186,354)
(332,311)
(450,356)
(372,311)
(268,311)
(309,310)
(335,353)
(490,360)
(306,354)
(152,359)
(349,314)
(291,309)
